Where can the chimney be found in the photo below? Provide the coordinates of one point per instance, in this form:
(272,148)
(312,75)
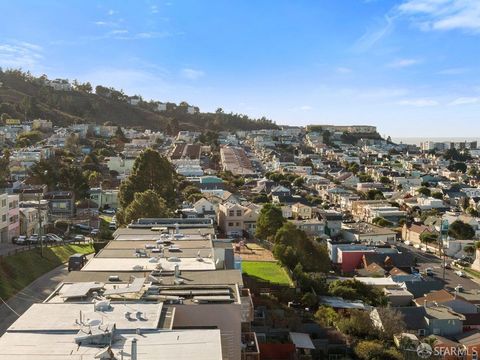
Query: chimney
(133,355)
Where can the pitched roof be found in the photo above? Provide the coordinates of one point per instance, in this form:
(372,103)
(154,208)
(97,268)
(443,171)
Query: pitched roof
(420,288)
(400,260)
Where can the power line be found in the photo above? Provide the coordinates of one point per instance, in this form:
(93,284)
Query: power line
(8,306)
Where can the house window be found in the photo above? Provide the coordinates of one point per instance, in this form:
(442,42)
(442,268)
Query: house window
(230,224)
(231,213)
(4,203)
(4,218)
(239,212)
(237,224)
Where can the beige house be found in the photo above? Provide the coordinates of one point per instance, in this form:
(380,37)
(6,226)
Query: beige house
(301,211)
(414,232)
(233,219)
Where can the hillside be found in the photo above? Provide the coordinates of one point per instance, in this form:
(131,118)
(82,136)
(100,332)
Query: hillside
(23,95)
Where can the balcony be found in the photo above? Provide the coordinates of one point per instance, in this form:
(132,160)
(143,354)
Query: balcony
(250,350)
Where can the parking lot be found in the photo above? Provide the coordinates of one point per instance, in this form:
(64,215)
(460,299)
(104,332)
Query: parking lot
(425,261)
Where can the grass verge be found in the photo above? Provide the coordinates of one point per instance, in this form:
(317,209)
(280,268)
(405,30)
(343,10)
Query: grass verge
(19,270)
(266,271)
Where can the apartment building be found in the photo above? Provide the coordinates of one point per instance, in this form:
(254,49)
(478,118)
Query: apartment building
(235,219)
(4,218)
(163,288)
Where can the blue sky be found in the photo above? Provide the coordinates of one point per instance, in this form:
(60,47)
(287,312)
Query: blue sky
(408,66)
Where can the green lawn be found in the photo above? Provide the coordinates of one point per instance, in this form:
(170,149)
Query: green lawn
(19,270)
(267,271)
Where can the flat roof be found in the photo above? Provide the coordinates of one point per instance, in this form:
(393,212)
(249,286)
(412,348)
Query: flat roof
(65,317)
(142,264)
(130,253)
(138,244)
(218,277)
(167,345)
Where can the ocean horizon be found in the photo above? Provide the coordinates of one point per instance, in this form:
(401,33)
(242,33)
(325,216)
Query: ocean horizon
(419,140)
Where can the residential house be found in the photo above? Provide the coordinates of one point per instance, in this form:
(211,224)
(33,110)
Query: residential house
(301,211)
(13,217)
(61,204)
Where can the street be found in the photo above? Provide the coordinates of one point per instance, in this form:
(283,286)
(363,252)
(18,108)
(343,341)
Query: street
(431,261)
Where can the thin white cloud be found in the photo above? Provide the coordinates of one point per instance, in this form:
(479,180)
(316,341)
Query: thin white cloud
(192,74)
(402,63)
(306,108)
(418,102)
(374,35)
(343,70)
(443,14)
(20,54)
(111,12)
(466,101)
(453,71)
(154,9)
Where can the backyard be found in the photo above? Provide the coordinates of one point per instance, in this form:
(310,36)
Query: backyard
(266,271)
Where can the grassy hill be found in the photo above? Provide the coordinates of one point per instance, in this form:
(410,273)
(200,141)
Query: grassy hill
(23,95)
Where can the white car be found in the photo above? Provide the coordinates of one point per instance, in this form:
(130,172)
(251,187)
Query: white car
(54,237)
(79,238)
(22,240)
(33,239)
(460,273)
(408,243)
(416,246)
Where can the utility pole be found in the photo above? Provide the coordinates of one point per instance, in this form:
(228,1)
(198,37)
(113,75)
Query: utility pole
(40,225)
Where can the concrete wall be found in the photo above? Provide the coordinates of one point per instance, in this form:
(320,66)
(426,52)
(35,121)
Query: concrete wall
(226,317)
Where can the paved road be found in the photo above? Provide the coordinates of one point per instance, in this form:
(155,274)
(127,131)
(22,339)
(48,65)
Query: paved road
(431,261)
(36,292)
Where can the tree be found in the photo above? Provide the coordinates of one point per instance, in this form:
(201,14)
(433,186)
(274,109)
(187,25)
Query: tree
(374,194)
(147,204)
(460,230)
(298,182)
(292,246)
(375,350)
(119,135)
(424,191)
(392,323)
(380,221)
(472,212)
(309,299)
(353,289)
(458,166)
(326,316)
(150,171)
(357,323)
(428,237)
(269,221)
(437,195)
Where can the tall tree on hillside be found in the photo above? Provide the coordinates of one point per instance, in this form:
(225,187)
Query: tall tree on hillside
(145,204)
(151,171)
(269,221)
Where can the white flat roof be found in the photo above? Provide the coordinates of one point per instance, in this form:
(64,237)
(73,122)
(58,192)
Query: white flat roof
(144,264)
(165,345)
(49,317)
(301,340)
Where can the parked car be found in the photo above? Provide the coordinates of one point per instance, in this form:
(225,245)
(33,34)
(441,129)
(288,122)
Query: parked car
(76,262)
(109,211)
(460,273)
(408,243)
(83,228)
(21,240)
(447,266)
(94,232)
(112,225)
(79,238)
(429,271)
(33,239)
(54,238)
